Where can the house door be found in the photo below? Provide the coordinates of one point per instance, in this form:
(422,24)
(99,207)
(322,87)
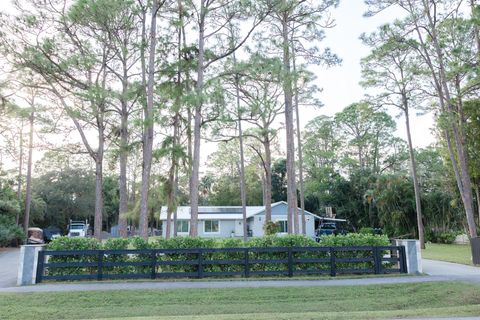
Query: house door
(238,228)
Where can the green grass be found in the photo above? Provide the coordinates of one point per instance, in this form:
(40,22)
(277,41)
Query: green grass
(458,253)
(347,302)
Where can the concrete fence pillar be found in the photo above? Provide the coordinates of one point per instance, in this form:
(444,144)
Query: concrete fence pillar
(413,254)
(27,267)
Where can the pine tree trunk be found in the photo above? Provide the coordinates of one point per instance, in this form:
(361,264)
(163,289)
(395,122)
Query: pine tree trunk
(477,193)
(175,231)
(123,190)
(243,193)
(148,127)
(416,186)
(171,201)
(292,222)
(194,181)
(98,220)
(28,191)
(268,180)
(299,148)
(20,170)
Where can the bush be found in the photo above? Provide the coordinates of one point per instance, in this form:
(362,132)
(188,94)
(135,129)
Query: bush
(117,244)
(354,240)
(447,237)
(440,237)
(65,243)
(10,233)
(271,228)
(291,240)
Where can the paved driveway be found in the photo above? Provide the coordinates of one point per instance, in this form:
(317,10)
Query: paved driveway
(9,267)
(452,271)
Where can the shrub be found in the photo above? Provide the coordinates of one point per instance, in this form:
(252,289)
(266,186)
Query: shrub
(440,237)
(271,228)
(354,240)
(66,243)
(117,244)
(447,237)
(10,233)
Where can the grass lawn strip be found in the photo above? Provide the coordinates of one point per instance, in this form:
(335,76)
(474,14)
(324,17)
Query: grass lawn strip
(445,298)
(457,253)
(464,311)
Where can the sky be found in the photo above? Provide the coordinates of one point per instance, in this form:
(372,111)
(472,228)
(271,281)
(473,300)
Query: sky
(341,83)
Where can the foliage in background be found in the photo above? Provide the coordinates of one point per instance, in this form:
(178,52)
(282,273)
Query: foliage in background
(10,233)
(271,228)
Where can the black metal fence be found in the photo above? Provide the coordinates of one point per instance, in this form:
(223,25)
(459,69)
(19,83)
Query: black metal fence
(218,262)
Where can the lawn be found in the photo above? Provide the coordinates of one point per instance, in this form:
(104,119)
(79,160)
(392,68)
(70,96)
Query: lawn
(347,302)
(458,253)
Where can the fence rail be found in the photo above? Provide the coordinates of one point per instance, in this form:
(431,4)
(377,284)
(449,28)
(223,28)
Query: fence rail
(215,262)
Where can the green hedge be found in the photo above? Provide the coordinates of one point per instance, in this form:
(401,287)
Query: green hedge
(353,240)
(65,243)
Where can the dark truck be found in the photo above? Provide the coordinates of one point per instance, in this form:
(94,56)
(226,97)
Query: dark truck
(329,226)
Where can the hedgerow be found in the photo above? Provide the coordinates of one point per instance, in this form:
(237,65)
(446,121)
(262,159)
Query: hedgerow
(64,243)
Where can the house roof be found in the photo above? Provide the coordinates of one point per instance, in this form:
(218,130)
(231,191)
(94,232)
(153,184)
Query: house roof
(221,212)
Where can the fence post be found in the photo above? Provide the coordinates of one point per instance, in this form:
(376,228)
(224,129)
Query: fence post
(377,260)
(100,265)
(403,259)
(290,262)
(333,264)
(41,261)
(200,263)
(153,263)
(247,263)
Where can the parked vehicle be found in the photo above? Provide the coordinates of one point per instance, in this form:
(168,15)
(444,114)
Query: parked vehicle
(78,228)
(50,233)
(329,226)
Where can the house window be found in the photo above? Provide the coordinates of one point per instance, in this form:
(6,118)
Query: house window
(183,226)
(211,226)
(282,226)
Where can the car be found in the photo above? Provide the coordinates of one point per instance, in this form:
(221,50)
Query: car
(50,233)
(327,228)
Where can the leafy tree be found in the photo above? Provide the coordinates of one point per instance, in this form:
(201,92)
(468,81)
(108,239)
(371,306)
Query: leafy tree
(430,24)
(368,134)
(393,68)
(218,16)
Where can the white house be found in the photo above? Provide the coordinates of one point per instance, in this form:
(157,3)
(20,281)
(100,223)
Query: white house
(227,221)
